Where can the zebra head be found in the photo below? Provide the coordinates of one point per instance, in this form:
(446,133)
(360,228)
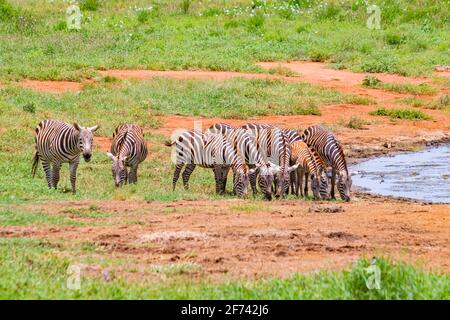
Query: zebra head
(119,169)
(241,181)
(265,179)
(282,179)
(85,140)
(344,184)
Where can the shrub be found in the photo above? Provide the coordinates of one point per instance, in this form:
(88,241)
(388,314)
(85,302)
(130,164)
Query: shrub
(407,114)
(371,82)
(29,107)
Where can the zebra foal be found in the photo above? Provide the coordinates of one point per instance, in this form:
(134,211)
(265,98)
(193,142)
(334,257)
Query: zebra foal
(57,143)
(308,166)
(128,149)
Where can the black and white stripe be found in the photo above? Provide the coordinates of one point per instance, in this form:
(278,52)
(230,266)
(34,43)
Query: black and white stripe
(209,150)
(330,150)
(57,143)
(128,149)
(274,146)
(244,144)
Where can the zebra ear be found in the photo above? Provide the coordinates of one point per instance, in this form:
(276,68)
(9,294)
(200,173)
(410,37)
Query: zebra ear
(252,171)
(110,155)
(94,128)
(292,168)
(76,126)
(124,158)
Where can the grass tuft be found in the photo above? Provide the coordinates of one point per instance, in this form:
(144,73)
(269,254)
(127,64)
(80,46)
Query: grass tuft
(407,114)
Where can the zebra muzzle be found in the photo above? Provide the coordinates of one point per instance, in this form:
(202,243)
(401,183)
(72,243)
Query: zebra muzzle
(87,157)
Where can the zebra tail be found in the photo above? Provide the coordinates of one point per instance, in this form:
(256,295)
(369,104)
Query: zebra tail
(35,164)
(169,144)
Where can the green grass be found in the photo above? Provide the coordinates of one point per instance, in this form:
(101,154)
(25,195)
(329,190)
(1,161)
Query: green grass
(440,103)
(10,217)
(34,269)
(407,114)
(35,43)
(416,89)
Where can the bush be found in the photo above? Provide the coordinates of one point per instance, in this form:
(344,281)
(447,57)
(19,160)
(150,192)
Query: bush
(407,114)
(371,82)
(29,107)
(380,63)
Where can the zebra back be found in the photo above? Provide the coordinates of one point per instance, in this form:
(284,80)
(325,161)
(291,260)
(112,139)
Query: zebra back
(326,145)
(57,141)
(129,141)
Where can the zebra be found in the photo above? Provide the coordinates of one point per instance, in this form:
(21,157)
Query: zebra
(309,164)
(209,150)
(128,149)
(273,143)
(292,135)
(244,144)
(330,150)
(57,143)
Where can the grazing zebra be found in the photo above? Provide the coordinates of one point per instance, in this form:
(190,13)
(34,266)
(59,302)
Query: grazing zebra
(57,143)
(209,150)
(244,144)
(308,165)
(330,150)
(128,149)
(273,144)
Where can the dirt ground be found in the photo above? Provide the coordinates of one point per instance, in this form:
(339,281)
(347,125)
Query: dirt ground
(238,238)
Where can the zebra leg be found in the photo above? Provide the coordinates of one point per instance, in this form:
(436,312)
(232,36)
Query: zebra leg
(127,176)
(301,174)
(133,175)
(306,183)
(186,174)
(292,181)
(48,173)
(298,180)
(73,173)
(253,183)
(176,174)
(55,174)
(220,174)
(333,182)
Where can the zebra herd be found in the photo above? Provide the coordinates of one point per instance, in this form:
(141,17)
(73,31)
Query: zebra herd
(276,159)
(262,155)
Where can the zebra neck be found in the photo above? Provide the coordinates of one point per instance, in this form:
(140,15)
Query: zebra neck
(74,146)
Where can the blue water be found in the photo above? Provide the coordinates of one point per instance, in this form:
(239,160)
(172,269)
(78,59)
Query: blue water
(422,175)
